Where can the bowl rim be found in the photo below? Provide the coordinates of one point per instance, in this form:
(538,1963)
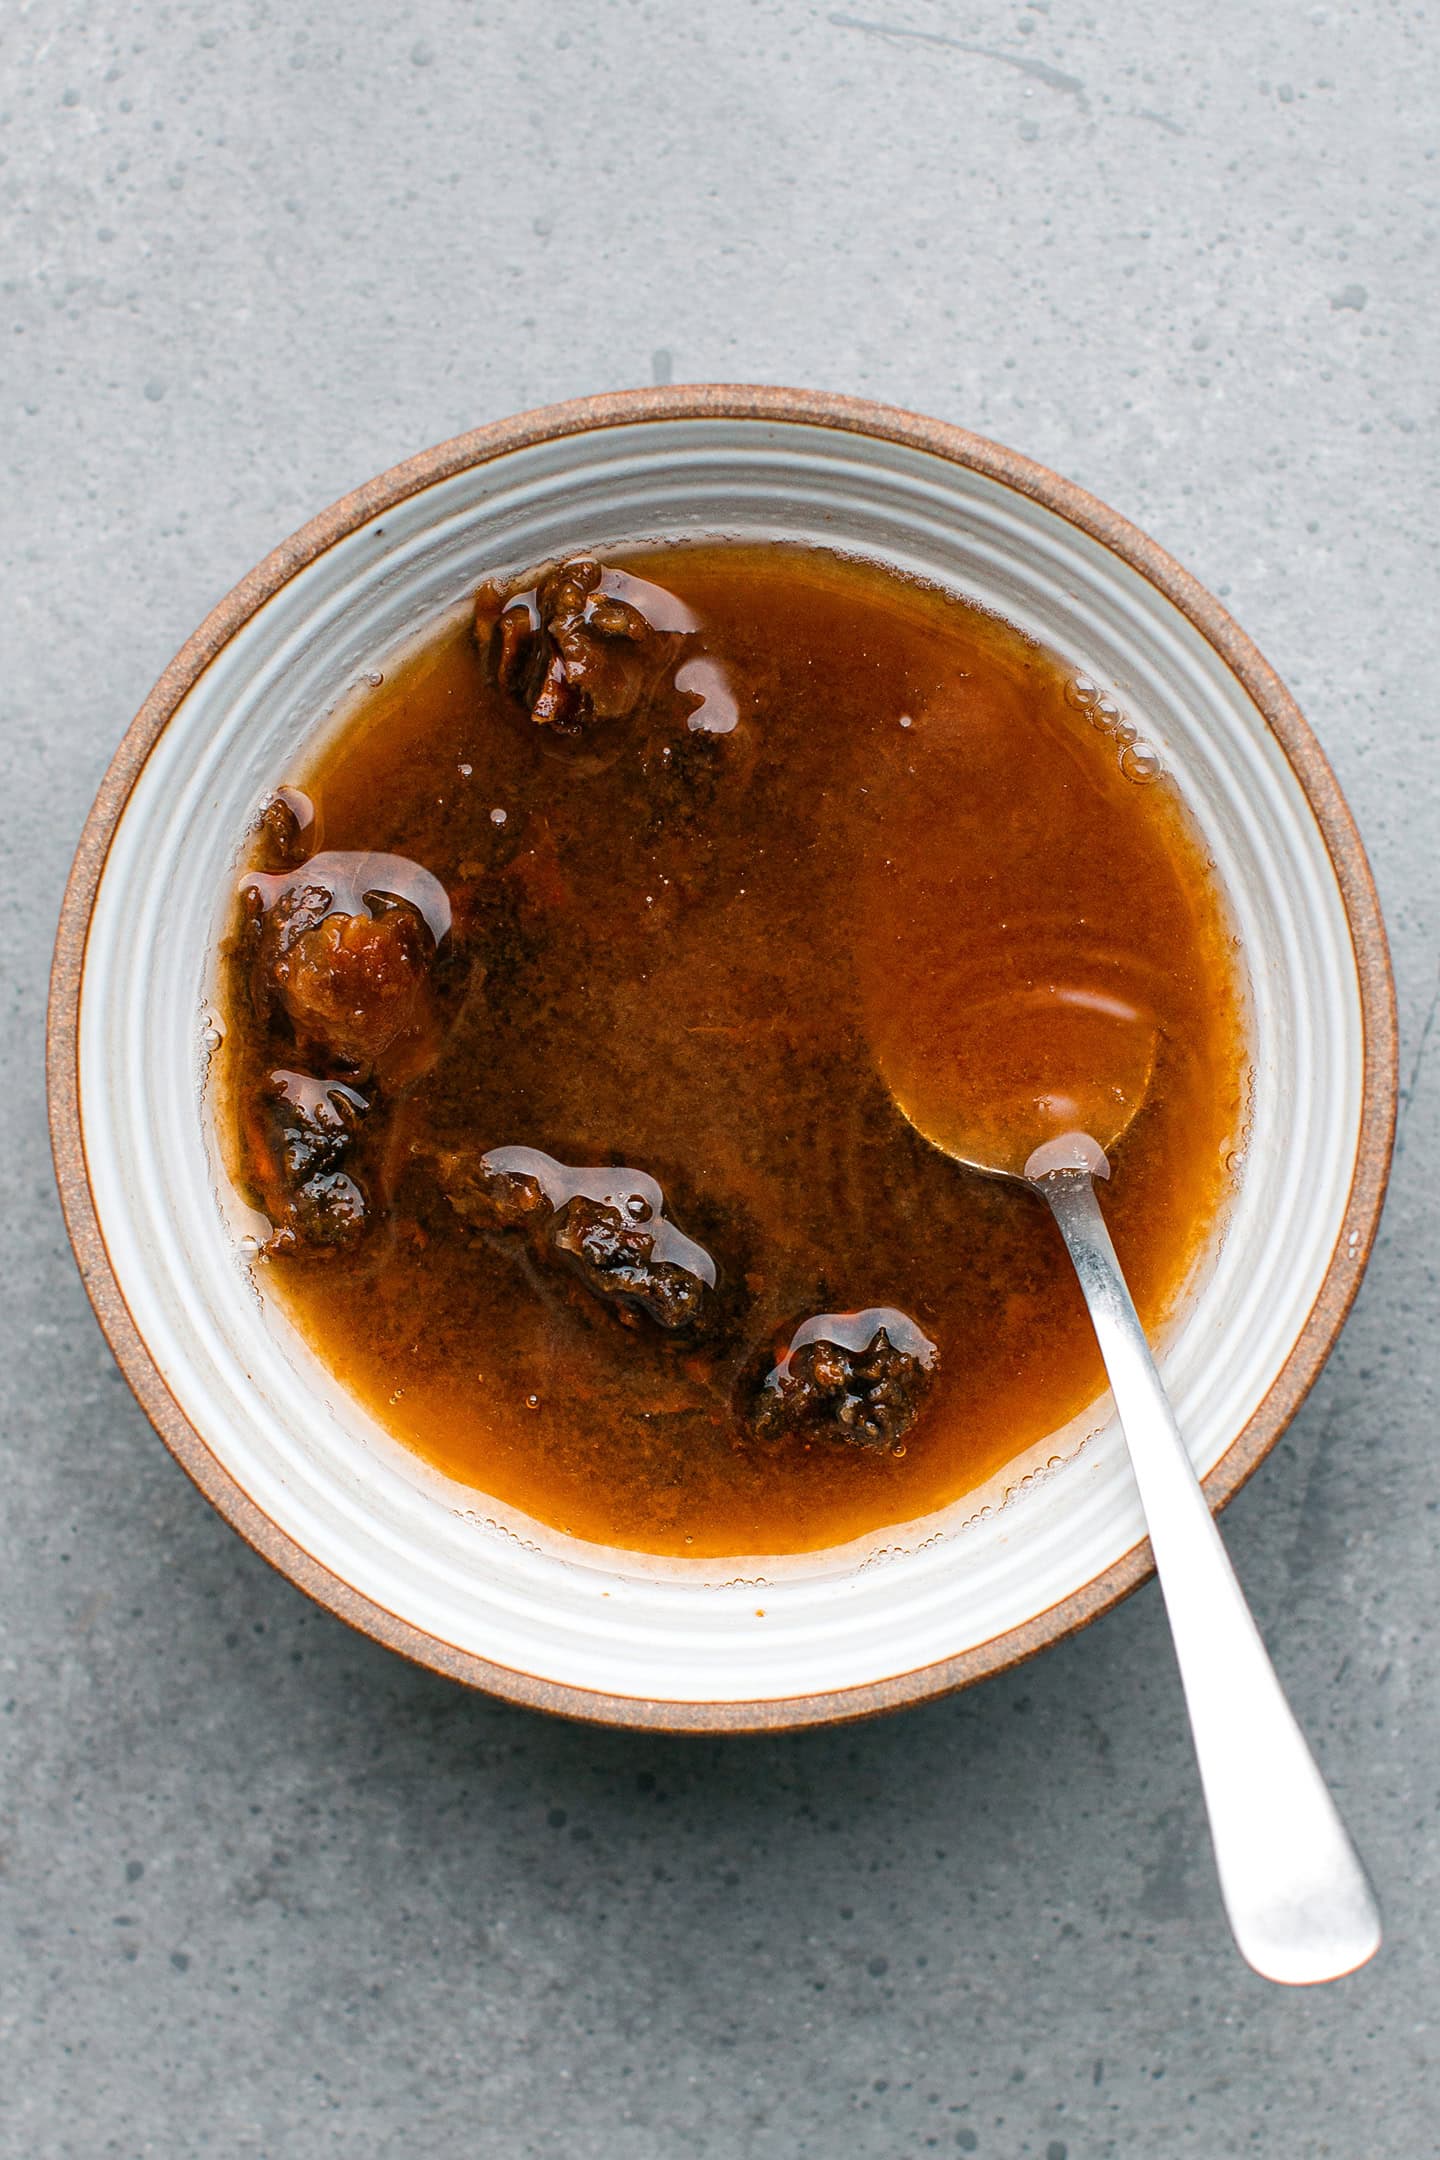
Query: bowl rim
(709,401)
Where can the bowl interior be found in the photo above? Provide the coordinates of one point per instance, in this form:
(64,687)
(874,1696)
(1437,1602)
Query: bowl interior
(488,1581)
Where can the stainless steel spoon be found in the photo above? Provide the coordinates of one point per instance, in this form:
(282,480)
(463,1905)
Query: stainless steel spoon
(1296,1893)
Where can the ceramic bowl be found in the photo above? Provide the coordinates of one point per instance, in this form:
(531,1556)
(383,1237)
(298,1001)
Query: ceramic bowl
(434,1569)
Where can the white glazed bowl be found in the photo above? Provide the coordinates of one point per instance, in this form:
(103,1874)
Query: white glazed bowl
(431,1567)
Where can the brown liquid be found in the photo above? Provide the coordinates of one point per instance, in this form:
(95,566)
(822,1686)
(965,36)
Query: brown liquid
(701,976)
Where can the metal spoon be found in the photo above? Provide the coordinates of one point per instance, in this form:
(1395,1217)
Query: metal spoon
(1297,1896)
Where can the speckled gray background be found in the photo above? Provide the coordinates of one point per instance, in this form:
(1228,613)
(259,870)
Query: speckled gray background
(263,1889)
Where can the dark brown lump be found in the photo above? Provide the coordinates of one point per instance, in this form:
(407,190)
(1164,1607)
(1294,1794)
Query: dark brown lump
(570,651)
(286,830)
(299,1132)
(616,1259)
(350,976)
(337,955)
(613,1237)
(866,1395)
(489,1199)
(349,984)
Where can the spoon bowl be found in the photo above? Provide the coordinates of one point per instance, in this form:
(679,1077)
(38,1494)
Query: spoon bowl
(1024,1083)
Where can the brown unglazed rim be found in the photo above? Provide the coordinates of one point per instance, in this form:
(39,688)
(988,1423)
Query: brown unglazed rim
(812,409)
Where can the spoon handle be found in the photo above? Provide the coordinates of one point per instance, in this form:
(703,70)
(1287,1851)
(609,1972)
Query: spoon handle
(1296,1893)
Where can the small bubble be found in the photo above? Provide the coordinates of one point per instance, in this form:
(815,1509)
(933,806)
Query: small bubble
(465,771)
(249,1246)
(1125,734)
(905,720)
(212,1038)
(1082,693)
(532,1402)
(1140,761)
(497,817)
(1234,1160)
(637,1207)
(1105,715)
(898,1450)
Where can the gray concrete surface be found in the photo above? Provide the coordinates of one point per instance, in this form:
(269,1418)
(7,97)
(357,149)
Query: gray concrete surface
(263,1889)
